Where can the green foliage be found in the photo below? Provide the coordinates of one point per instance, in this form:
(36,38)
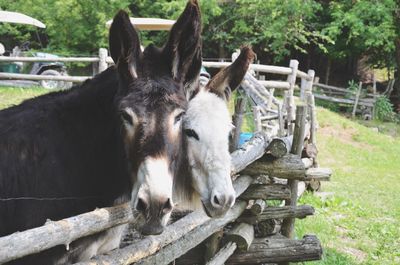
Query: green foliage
(73,27)
(273,27)
(352,87)
(384,109)
(364,27)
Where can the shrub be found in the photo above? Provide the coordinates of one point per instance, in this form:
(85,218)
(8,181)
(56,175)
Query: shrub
(384,109)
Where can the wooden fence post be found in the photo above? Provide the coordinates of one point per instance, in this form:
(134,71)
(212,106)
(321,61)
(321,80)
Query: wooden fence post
(289,99)
(103,53)
(375,95)
(237,121)
(257,118)
(297,147)
(356,100)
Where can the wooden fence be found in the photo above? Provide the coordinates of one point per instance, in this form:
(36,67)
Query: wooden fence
(274,165)
(362,102)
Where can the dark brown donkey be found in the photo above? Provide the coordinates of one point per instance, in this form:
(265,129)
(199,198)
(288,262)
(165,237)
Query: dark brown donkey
(113,139)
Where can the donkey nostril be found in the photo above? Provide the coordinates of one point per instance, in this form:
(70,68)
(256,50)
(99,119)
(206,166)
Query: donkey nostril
(231,200)
(167,207)
(216,201)
(141,205)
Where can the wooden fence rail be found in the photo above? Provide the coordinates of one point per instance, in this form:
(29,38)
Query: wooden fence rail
(361,102)
(104,60)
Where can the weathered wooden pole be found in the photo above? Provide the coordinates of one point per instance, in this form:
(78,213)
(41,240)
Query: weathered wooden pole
(289,99)
(356,100)
(223,254)
(297,147)
(212,245)
(237,121)
(103,53)
(257,118)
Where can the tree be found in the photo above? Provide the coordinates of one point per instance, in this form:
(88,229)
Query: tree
(274,28)
(73,26)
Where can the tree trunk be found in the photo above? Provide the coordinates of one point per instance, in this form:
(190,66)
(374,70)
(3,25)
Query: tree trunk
(328,70)
(395,96)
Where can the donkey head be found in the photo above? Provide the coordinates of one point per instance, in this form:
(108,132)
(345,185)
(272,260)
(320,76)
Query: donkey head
(151,103)
(207,125)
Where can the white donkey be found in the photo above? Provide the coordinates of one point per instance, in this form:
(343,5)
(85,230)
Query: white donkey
(207,126)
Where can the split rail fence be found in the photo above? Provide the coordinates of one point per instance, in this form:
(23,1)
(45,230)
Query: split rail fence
(361,101)
(276,164)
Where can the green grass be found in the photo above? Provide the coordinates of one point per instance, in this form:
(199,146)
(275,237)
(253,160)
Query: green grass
(10,96)
(360,222)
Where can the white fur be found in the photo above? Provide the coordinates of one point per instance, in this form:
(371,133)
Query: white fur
(154,180)
(209,157)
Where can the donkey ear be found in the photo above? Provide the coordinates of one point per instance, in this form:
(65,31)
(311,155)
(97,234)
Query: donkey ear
(183,49)
(229,78)
(125,46)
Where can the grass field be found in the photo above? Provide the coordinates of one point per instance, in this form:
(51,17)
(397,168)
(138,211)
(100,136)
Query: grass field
(11,95)
(358,217)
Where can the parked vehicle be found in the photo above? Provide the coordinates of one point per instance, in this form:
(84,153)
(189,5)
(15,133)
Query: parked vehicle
(37,68)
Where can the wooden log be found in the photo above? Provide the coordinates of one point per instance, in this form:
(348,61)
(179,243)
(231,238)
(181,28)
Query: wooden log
(171,235)
(289,99)
(279,249)
(242,234)
(328,87)
(311,150)
(249,152)
(275,84)
(287,167)
(223,254)
(282,212)
(211,245)
(281,123)
(271,92)
(194,237)
(266,192)
(301,188)
(76,79)
(343,100)
(319,173)
(313,125)
(103,53)
(62,232)
(356,100)
(261,89)
(297,147)
(313,185)
(304,75)
(269,118)
(258,206)
(237,122)
(256,67)
(281,146)
(267,227)
(257,118)
(42,59)
(308,162)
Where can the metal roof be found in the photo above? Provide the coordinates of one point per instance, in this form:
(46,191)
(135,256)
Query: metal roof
(149,23)
(14,17)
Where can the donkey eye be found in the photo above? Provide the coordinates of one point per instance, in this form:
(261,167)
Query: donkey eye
(178,117)
(191,133)
(126,118)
